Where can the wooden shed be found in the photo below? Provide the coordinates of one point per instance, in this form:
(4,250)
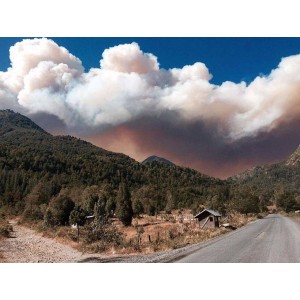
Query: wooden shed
(208,218)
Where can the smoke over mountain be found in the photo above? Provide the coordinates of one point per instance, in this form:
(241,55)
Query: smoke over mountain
(129,104)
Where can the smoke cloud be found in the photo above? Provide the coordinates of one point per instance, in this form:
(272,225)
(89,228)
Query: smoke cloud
(129,104)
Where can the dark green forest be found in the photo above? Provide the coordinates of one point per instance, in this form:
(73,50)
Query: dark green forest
(45,177)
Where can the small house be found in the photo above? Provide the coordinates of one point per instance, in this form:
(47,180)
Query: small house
(208,218)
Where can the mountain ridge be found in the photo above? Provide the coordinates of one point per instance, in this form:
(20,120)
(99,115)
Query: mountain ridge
(155,158)
(294,158)
(10,121)
(292,161)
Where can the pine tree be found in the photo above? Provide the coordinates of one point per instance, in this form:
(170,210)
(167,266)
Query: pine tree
(170,205)
(48,218)
(124,206)
(137,207)
(100,212)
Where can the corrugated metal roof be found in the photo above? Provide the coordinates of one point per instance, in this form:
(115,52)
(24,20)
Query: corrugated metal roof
(212,212)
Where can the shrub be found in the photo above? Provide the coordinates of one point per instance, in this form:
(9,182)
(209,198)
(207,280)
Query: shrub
(97,231)
(49,220)
(5,229)
(33,212)
(61,208)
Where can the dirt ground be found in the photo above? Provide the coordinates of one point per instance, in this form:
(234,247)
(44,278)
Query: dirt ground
(26,245)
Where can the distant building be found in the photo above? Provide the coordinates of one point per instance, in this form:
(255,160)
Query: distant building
(89,219)
(208,218)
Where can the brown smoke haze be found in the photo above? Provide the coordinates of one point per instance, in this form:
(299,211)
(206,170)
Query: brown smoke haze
(130,105)
(198,147)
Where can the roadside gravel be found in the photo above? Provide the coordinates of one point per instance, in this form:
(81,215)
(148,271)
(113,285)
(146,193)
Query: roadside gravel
(27,246)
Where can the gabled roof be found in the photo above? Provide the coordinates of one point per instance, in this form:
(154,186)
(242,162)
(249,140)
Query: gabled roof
(209,212)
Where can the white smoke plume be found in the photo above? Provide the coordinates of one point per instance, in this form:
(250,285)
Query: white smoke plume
(46,78)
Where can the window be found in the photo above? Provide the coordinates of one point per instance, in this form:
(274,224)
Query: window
(211,219)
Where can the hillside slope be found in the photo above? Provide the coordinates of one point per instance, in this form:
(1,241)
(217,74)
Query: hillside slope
(278,184)
(285,173)
(37,168)
(31,158)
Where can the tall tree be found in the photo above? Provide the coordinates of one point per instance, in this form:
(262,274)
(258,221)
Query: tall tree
(124,206)
(137,207)
(171,204)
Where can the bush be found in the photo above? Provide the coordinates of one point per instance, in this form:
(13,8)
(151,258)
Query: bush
(5,229)
(97,231)
(33,213)
(61,208)
(49,220)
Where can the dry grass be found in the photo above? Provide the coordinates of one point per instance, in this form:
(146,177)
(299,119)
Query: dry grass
(160,235)
(147,234)
(166,237)
(238,220)
(293,215)
(5,229)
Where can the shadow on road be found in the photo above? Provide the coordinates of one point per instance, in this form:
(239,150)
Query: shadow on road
(101,260)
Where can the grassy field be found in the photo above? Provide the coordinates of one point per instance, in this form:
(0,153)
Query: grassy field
(147,234)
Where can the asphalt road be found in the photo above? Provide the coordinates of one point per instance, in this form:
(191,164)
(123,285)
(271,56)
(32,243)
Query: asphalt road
(274,239)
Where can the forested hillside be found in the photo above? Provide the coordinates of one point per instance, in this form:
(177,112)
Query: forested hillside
(39,170)
(278,183)
(41,173)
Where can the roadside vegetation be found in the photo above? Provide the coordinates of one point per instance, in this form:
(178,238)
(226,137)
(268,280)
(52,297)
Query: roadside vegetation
(118,204)
(147,234)
(292,214)
(5,228)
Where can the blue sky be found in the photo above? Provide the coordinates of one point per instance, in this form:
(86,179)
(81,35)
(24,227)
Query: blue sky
(233,59)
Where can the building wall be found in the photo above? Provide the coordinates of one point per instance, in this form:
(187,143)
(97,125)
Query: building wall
(209,224)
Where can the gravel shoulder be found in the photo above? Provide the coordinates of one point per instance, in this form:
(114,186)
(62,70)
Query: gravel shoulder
(27,246)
